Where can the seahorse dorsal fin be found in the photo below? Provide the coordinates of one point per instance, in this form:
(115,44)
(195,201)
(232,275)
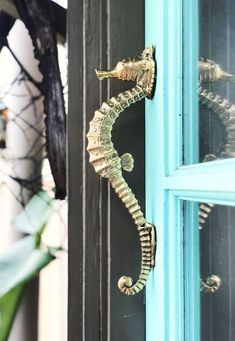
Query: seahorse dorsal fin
(127,162)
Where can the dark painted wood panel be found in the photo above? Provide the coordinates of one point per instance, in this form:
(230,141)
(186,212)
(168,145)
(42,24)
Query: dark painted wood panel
(103,242)
(127,313)
(75,176)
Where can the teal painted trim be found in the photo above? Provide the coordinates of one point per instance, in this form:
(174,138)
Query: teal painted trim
(155,170)
(190,83)
(173,86)
(191,153)
(207,167)
(163,152)
(220,198)
(166,182)
(202,180)
(192,272)
(174,268)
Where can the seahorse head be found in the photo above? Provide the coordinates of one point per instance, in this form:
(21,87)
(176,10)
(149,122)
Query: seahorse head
(139,69)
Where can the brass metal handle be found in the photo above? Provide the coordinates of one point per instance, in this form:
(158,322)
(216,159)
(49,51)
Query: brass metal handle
(211,284)
(107,162)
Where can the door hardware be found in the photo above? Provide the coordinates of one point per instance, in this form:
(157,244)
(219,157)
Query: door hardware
(108,163)
(211,284)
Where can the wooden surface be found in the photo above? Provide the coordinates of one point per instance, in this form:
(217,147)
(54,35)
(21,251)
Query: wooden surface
(103,243)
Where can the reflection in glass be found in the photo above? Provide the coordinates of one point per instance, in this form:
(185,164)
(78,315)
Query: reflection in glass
(209,263)
(217,258)
(216,79)
(210,72)
(217,141)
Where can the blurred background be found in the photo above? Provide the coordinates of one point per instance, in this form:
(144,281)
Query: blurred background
(27,186)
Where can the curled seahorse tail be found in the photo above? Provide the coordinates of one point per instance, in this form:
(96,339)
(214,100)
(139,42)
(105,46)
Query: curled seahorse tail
(146,235)
(125,283)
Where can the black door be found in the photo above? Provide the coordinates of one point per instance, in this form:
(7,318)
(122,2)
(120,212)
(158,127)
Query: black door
(103,241)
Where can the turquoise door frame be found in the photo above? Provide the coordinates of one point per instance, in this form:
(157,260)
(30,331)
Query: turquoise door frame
(173,301)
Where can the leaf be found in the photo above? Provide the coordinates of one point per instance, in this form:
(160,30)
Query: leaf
(24,259)
(12,259)
(36,213)
(17,266)
(8,308)
(21,262)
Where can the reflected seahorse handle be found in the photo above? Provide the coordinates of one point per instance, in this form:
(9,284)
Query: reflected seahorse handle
(211,284)
(210,72)
(109,164)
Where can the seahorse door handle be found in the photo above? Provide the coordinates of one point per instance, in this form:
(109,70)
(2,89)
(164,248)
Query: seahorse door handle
(108,163)
(210,72)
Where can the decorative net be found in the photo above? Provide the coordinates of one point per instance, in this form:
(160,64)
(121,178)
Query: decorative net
(24,167)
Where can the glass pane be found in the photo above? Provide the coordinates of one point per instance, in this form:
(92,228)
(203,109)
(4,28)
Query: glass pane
(217,255)
(214,280)
(216,80)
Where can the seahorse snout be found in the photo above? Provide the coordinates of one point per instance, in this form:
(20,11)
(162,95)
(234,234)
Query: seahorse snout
(106,74)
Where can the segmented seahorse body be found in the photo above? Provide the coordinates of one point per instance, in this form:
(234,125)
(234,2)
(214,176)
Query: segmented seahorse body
(226,112)
(108,164)
(204,211)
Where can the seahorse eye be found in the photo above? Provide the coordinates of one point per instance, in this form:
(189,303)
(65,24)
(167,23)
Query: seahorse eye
(120,65)
(144,64)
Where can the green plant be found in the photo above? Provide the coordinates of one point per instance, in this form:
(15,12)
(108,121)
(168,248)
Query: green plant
(24,259)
